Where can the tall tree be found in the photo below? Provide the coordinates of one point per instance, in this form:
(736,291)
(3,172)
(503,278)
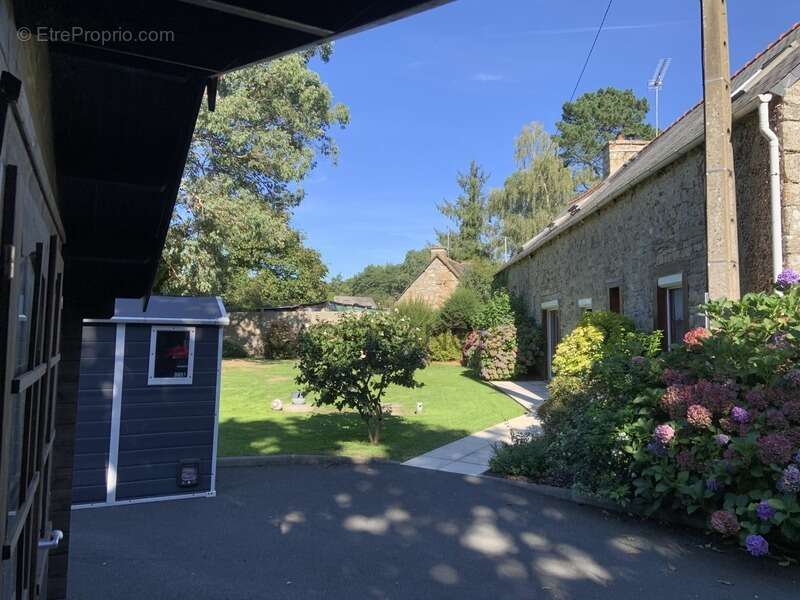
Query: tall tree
(468,214)
(386,282)
(533,194)
(595,118)
(230,233)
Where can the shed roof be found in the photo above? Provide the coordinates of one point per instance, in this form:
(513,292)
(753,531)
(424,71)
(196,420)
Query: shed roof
(179,310)
(772,70)
(361,301)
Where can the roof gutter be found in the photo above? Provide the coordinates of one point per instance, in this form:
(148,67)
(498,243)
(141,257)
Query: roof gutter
(774,183)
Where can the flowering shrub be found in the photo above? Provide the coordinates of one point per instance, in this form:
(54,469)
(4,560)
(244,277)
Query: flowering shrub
(730,397)
(511,346)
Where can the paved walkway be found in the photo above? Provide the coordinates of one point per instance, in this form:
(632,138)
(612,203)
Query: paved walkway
(470,455)
(387,532)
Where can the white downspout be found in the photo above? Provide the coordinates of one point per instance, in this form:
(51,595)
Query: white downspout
(774,183)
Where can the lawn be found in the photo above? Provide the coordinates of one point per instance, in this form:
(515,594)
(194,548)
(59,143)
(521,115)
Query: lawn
(454,405)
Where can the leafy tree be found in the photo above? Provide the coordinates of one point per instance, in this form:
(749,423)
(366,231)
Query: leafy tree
(469,215)
(351,363)
(591,121)
(532,195)
(479,277)
(230,232)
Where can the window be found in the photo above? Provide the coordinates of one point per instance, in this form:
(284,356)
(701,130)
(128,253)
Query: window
(615,299)
(671,309)
(171,356)
(585,305)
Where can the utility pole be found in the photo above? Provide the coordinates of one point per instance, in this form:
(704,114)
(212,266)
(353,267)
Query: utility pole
(722,238)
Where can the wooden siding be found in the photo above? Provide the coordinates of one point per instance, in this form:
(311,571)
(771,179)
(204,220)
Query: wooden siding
(163,424)
(93,417)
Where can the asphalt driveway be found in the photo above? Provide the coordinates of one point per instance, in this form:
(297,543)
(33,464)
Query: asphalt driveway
(392,531)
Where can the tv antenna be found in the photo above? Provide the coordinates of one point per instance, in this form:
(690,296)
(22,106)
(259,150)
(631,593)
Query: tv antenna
(657,81)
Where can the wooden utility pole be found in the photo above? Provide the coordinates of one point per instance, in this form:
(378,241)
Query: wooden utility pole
(722,232)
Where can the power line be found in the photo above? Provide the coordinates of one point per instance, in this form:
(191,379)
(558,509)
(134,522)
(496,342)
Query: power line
(588,56)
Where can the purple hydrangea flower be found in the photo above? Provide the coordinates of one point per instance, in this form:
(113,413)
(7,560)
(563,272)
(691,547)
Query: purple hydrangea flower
(721,439)
(774,448)
(712,485)
(786,279)
(656,448)
(764,511)
(797,457)
(756,545)
(792,377)
(790,480)
(663,434)
(724,522)
(740,415)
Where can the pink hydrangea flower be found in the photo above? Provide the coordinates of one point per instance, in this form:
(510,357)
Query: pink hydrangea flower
(675,399)
(698,416)
(724,522)
(694,337)
(663,434)
(716,397)
(674,377)
(756,398)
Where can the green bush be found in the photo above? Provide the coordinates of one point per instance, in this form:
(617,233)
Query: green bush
(497,310)
(351,363)
(231,349)
(419,314)
(444,346)
(589,409)
(521,460)
(459,314)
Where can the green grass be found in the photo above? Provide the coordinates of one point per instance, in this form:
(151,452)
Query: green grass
(455,405)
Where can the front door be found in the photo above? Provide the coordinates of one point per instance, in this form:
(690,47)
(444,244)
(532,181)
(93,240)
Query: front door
(553,337)
(30,308)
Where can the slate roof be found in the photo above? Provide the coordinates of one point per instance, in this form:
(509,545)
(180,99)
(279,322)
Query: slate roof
(773,70)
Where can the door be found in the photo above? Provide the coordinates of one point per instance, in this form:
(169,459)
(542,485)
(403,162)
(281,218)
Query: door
(553,337)
(30,307)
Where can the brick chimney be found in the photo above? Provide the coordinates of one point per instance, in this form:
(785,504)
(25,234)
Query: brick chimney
(620,151)
(438,251)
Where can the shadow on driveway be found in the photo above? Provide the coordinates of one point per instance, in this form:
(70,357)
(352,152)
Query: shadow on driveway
(390,531)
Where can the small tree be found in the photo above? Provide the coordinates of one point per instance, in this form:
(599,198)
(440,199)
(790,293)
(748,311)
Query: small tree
(351,363)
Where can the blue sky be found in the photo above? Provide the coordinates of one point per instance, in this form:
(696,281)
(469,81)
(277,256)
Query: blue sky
(430,93)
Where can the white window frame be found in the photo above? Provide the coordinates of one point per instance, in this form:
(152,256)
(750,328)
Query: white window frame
(584,304)
(151,379)
(670,282)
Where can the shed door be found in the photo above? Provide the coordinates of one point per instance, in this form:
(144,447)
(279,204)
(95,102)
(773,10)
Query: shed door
(30,307)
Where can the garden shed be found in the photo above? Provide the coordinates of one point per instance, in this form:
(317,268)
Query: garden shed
(148,401)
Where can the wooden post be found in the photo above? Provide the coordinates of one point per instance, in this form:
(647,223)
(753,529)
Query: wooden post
(722,237)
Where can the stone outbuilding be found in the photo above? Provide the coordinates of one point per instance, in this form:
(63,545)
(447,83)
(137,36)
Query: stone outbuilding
(437,282)
(636,243)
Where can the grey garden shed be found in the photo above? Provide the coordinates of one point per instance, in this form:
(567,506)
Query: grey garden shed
(148,401)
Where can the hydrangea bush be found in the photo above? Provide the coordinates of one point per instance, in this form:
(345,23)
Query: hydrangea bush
(720,431)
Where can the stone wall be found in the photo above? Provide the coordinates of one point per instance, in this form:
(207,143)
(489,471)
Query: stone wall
(247,329)
(434,285)
(654,229)
(789,132)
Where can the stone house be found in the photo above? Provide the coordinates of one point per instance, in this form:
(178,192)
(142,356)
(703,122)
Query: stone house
(636,242)
(438,280)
